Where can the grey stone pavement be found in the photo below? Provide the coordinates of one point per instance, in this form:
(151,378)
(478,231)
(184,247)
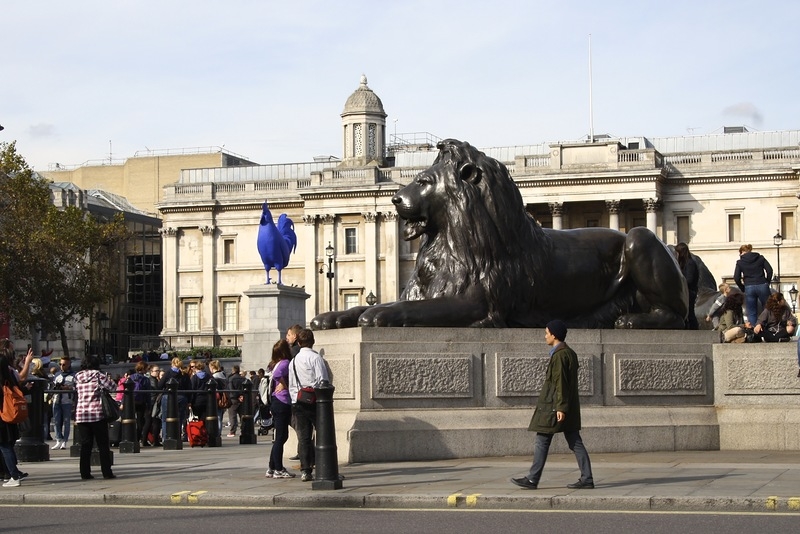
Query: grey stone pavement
(233,475)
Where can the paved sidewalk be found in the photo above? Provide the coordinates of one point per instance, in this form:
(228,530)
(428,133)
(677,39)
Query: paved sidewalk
(233,475)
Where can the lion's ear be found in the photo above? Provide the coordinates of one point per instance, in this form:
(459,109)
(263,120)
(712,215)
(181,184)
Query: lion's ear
(470,172)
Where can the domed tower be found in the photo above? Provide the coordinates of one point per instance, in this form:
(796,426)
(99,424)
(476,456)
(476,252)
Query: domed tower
(363,128)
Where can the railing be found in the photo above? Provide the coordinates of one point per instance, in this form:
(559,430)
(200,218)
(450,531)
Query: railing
(731,156)
(537,161)
(683,159)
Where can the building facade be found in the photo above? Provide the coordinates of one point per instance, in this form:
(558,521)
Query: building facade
(714,192)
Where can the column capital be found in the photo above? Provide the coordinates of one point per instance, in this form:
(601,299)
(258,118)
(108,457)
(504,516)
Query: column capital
(651,205)
(613,206)
(389,215)
(327,218)
(169,231)
(309,220)
(556,208)
(207,230)
(369,216)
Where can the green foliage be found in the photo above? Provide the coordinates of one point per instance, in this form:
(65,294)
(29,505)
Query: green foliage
(217,353)
(56,266)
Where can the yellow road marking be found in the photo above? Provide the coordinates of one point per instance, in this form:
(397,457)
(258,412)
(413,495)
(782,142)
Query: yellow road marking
(472,500)
(772,503)
(794,503)
(193,498)
(176,498)
(452,500)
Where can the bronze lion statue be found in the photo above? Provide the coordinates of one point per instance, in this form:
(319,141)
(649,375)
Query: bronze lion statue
(483,261)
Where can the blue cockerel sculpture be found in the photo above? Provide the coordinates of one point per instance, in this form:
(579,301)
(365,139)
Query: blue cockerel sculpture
(275,243)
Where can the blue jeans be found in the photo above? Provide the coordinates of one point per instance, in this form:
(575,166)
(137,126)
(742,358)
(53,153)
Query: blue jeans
(542,446)
(752,296)
(281,415)
(10,459)
(62,415)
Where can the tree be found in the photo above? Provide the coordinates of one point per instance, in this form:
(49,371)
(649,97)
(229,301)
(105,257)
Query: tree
(56,266)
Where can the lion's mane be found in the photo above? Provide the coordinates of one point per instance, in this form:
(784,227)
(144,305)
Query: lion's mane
(484,237)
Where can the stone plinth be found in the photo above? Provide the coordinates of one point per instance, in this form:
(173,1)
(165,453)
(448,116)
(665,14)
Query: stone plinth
(273,309)
(432,393)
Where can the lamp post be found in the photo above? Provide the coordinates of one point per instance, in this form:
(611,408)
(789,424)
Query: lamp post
(371,299)
(330,274)
(793,295)
(777,240)
(103,319)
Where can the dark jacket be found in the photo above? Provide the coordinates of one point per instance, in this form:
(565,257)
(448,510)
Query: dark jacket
(559,394)
(199,384)
(752,269)
(184,382)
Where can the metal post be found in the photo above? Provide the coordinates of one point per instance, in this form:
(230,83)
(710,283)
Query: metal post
(330,283)
(248,435)
(172,441)
(31,446)
(212,421)
(130,439)
(326,457)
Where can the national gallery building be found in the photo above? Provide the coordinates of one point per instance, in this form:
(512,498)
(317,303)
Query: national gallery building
(714,192)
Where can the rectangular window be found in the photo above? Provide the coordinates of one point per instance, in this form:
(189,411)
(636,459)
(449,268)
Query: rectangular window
(351,300)
(350,243)
(734,228)
(227,251)
(682,229)
(230,316)
(191,316)
(787,225)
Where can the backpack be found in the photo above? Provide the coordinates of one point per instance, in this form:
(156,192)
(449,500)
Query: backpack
(15,407)
(141,390)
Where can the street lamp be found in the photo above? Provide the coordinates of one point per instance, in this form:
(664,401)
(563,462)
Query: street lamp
(329,274)
(371,299)
(777,240)
(793,295)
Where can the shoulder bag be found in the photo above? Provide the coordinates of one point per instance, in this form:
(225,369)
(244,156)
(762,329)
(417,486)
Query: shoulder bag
(305,395)
(108,405)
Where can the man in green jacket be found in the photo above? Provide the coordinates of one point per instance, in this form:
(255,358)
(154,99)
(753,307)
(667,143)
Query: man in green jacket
(558,410)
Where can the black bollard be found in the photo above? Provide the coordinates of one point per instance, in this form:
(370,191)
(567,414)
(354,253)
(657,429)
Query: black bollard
(130,438)
(326,472)
(31,446)
(248,435)
(172,441)
(212,421)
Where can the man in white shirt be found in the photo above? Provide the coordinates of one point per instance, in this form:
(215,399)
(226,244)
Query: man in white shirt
(306,369)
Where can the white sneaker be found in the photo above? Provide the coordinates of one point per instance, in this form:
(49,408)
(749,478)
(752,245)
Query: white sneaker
(283,474)
(12,483)
(63,445)
(57,445)
(270,473)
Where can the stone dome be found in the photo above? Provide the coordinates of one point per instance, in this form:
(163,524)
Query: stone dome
(363,100)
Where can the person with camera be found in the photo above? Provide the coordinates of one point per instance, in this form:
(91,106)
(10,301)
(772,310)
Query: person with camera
(62,402)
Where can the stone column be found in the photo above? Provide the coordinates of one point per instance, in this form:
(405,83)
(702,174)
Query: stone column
(651,207)
(209,302)
(392,259)
(370,253)
(613,214)
(310,244)
(557,211)
(169,255)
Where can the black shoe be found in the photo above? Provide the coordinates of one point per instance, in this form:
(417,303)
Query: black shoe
(798,373)
(87,477)
(22,476)
(145,444)
(524,482)
(110,476)
(581,485)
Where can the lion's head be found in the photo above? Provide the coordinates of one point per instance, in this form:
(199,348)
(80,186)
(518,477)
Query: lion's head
(471,220)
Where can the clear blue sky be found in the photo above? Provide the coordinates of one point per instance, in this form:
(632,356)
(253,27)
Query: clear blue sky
(268,79)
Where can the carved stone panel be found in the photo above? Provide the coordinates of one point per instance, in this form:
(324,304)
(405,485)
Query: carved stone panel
(400,376)
(659,374)
(519,375)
